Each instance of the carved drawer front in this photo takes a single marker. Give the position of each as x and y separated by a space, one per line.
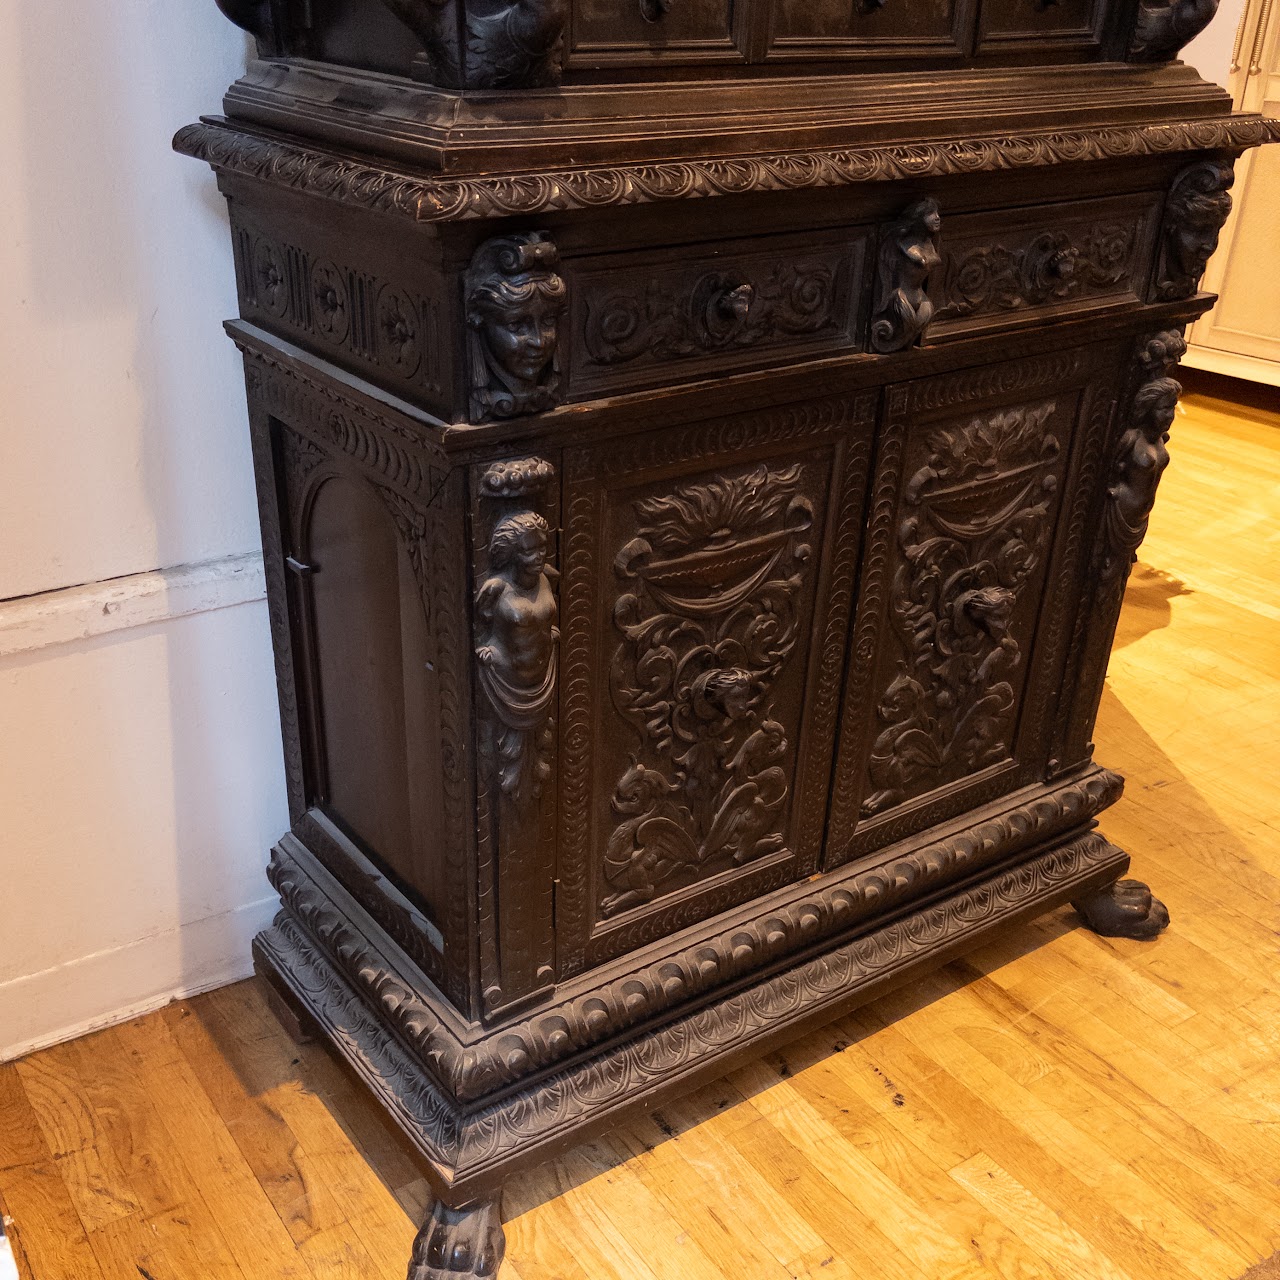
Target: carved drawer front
999 269
826 29
1040 23
645 32
972 561
649 318
705 601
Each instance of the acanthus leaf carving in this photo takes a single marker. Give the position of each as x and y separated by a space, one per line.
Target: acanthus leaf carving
1198 206
1165 26
515 300
709 619
976 525
909 253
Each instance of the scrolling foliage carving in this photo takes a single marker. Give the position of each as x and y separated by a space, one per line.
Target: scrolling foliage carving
709 620
1198 206
1165 26
515 44
908 255
1054 267
723 311
515 298
976 524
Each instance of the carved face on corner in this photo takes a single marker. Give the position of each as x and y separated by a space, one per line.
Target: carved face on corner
515 298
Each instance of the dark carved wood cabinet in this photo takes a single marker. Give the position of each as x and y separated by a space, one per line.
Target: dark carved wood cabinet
701 446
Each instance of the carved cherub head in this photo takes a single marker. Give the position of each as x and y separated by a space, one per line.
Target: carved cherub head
518 548
515 297
723 691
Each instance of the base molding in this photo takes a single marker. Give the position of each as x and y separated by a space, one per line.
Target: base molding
471 1149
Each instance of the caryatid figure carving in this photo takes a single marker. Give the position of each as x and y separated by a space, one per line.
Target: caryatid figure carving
516 615
515 298
908 256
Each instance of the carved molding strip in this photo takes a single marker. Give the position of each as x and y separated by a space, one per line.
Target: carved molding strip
512 1053
449 199
393 453
508 1129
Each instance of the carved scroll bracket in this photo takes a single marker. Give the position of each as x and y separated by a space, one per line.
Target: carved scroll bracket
513 44
1166 26
909 253
515 300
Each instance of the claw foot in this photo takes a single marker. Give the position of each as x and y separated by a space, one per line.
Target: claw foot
459 1244
1125 909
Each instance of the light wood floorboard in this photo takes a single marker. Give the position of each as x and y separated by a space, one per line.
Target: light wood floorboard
1054 1107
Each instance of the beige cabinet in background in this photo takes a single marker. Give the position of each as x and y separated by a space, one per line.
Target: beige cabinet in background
1241 335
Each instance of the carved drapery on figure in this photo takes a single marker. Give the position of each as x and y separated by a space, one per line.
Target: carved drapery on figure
977 521
908 255
517 669
1140 460
516 633
1198 206
514 44
515 299
1165 26
709 620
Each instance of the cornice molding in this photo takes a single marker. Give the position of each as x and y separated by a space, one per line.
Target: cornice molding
424 199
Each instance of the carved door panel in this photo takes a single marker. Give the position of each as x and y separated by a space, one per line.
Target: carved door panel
831 29
1040 24
971 570
606 33
707 584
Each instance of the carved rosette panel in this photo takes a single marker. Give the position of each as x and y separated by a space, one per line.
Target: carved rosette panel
517 663
1198 206
1165 27
337 306
735 309
974 525
1046 268
708 619
910 251
515 299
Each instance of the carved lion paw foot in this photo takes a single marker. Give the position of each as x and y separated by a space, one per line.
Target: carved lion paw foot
1125 909
455 1244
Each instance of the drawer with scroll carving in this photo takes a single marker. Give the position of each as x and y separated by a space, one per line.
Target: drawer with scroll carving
648 318
999 269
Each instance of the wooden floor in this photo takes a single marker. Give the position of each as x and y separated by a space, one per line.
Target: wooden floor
1055 1106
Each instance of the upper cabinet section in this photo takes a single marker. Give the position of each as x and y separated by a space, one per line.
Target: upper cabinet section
519 44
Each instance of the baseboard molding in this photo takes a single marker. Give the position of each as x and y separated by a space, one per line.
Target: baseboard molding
109 987
98 608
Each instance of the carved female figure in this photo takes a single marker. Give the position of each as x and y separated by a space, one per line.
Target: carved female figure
515 298
1140 462
907 258
1198 206
516 615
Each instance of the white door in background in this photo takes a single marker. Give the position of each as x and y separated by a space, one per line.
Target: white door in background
1241 335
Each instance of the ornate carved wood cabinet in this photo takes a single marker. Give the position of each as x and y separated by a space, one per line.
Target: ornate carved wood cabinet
701 446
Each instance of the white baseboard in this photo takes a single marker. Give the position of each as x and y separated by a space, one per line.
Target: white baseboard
101 990
78 613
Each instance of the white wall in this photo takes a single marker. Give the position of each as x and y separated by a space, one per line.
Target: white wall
140 776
